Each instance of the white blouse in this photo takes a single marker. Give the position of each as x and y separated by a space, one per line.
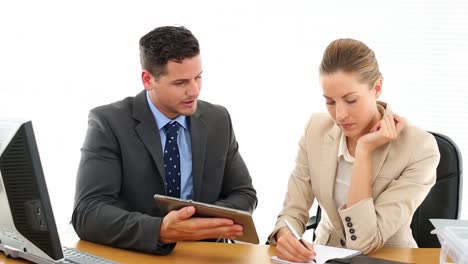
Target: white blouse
344 172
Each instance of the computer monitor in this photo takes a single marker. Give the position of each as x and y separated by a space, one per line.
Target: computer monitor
27 225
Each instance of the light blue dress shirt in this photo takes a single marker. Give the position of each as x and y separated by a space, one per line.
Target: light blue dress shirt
185 147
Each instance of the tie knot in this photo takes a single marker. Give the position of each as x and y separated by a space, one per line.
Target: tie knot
172 129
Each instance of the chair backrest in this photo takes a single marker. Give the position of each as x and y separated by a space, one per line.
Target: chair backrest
444 199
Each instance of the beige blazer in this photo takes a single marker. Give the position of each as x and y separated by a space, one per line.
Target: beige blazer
403 172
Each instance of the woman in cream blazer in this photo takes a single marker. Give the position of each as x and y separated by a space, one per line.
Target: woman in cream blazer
368 168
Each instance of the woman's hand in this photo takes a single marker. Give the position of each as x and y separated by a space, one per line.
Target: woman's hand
290 249
386 130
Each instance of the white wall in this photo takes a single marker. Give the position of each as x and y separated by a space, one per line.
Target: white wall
58 59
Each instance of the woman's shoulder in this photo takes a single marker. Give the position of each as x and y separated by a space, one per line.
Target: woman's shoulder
320 124
413 136
320 120
416 139
413 133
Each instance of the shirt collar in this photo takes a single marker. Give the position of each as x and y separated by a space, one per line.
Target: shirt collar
343 150
161 119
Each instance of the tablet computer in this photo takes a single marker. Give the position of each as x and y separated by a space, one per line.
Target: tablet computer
167 204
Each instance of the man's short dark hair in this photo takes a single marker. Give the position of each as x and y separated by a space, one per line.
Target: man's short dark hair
164 44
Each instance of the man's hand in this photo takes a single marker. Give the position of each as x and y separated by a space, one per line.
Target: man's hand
181 226
290 249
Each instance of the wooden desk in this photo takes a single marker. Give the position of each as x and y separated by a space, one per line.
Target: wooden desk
205 253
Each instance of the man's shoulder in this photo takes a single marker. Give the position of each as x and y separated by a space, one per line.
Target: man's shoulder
207 109
207 106
119 109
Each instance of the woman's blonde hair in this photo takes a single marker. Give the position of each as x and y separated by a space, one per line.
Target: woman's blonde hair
351 56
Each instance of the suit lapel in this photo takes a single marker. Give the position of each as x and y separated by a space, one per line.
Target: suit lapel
148 131
198 135
380 154
328 165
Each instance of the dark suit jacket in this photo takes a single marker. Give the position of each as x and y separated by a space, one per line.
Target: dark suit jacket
122 168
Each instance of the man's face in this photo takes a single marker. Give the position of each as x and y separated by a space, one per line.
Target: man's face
176 92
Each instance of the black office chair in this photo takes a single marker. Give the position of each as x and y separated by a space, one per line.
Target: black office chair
443 201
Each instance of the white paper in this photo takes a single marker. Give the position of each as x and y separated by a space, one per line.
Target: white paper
324 253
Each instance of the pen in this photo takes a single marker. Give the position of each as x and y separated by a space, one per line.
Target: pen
295 233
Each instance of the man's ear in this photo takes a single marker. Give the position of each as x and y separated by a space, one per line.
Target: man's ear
378 88
147 80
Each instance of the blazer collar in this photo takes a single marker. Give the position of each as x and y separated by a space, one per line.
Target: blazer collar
148 132
328 165
327 174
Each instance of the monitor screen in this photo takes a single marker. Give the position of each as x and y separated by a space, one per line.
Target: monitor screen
27 225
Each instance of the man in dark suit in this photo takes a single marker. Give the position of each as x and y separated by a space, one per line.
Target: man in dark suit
162 141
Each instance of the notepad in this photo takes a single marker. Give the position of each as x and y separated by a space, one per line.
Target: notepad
325 253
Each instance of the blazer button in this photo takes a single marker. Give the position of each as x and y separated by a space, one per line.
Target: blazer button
353 237
343 243
349 224
347 219
351 231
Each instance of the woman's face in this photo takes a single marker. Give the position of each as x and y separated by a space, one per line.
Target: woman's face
351 104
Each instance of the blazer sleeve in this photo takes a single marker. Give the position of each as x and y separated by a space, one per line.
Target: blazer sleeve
299 195
237 190
97 216
375 220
